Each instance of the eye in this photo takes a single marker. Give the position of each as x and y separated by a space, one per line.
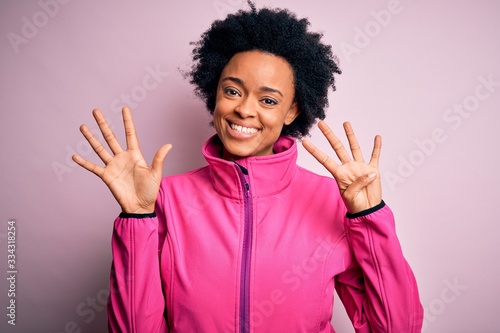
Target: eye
231 91
269 101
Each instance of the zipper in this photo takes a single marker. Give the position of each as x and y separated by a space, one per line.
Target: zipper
246 252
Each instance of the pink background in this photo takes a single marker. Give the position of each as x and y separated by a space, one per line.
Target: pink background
409 66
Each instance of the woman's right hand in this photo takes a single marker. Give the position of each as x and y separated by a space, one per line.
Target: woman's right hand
133 183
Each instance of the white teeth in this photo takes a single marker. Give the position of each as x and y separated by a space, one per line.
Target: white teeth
241 129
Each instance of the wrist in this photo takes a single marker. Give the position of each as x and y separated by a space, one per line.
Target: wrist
139 210
365 211
137 216
142 211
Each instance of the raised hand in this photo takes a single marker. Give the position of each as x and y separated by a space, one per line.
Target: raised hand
358 181
133 183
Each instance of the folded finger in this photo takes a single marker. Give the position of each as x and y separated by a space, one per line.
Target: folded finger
356 187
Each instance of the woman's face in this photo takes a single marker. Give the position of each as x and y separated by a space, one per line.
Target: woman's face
255 98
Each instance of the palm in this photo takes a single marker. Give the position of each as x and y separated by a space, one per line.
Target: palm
132 182
347 174
358 181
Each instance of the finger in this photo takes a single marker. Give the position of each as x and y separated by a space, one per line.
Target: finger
130 133
377 147
336 144
353 143
94 168
358 185
107 132
95 144
159 158
321 157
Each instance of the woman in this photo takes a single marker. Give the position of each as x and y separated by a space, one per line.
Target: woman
252 242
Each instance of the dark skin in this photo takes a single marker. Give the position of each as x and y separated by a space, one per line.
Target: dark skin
258 98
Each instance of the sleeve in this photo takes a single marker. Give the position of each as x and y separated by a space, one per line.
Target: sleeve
379 290
136 302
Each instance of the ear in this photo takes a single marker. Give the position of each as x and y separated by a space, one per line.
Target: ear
293 112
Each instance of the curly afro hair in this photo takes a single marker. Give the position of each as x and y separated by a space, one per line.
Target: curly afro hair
274 31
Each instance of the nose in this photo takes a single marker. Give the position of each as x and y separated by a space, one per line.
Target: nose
246 108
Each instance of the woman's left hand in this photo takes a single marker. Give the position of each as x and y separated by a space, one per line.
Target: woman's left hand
358 181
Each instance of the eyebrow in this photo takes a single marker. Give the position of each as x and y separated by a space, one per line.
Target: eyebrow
241 82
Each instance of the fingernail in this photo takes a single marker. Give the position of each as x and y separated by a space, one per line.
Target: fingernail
372 175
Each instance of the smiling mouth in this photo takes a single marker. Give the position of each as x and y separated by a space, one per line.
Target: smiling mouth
245 130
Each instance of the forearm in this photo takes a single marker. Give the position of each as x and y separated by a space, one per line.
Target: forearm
136 299
391 302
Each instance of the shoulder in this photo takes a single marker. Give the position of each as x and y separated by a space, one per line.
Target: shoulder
307 175
307 181
189 177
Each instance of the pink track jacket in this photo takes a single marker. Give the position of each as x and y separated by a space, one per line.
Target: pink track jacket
258 245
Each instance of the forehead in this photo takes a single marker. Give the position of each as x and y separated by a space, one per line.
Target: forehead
256 67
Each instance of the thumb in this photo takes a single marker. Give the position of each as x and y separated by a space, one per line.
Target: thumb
359 184
159 158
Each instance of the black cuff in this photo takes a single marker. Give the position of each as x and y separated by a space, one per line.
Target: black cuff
366 211
137 216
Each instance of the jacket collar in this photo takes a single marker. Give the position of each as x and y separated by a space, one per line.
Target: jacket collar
267 174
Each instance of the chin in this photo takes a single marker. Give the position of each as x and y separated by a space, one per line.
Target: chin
238 154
